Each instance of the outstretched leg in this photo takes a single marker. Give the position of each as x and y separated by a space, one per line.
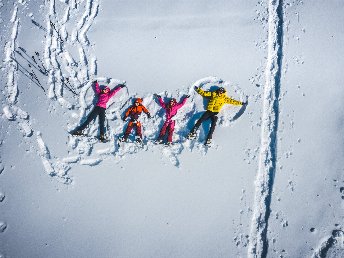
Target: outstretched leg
139 130
212 127
163 131
102 121
170 131
89 118
128 130
204 117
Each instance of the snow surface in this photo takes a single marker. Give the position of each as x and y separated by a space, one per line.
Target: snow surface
271 186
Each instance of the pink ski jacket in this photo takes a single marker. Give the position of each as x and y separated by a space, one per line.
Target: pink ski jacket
171 111
104 98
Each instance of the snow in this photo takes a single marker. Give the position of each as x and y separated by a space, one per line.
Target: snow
270 186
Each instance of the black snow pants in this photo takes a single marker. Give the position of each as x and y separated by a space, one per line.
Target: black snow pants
207 114
97 111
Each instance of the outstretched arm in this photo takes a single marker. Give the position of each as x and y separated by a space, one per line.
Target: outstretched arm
161 102
203 93
146 111
126 114
114 90
96 87
233 101
182 102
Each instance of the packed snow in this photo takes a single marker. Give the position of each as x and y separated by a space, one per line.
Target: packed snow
270 185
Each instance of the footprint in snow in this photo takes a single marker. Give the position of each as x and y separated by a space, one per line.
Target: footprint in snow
3 226
2 196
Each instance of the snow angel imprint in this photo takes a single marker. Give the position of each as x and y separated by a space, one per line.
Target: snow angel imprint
104 95
171 109
217 99
134 113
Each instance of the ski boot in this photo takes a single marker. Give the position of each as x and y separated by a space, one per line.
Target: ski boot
102 138
138 140
191 135
208 142
77 133
122 139
159 141
168 144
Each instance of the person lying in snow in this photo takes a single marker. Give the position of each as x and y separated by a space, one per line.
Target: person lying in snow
217 99
134 113
104 95
171 109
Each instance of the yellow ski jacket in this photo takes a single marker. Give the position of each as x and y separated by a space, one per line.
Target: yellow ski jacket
217 100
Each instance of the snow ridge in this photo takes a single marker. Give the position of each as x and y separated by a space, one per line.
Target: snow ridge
258 246
336 238
12 86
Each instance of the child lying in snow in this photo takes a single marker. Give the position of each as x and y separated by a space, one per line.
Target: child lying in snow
134 113
104 95
217 99
171 109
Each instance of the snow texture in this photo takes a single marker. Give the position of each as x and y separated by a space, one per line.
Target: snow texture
271 184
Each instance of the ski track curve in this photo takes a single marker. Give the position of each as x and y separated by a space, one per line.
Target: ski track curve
258 245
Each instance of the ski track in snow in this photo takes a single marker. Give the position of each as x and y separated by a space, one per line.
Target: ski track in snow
258 245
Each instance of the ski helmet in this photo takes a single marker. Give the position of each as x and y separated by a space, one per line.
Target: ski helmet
106 89
221 90
173 100
138 100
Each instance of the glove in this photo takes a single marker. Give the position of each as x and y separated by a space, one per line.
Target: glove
245 103
187 96
149 115
157 96
95 81
196 88
121 85
124 118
